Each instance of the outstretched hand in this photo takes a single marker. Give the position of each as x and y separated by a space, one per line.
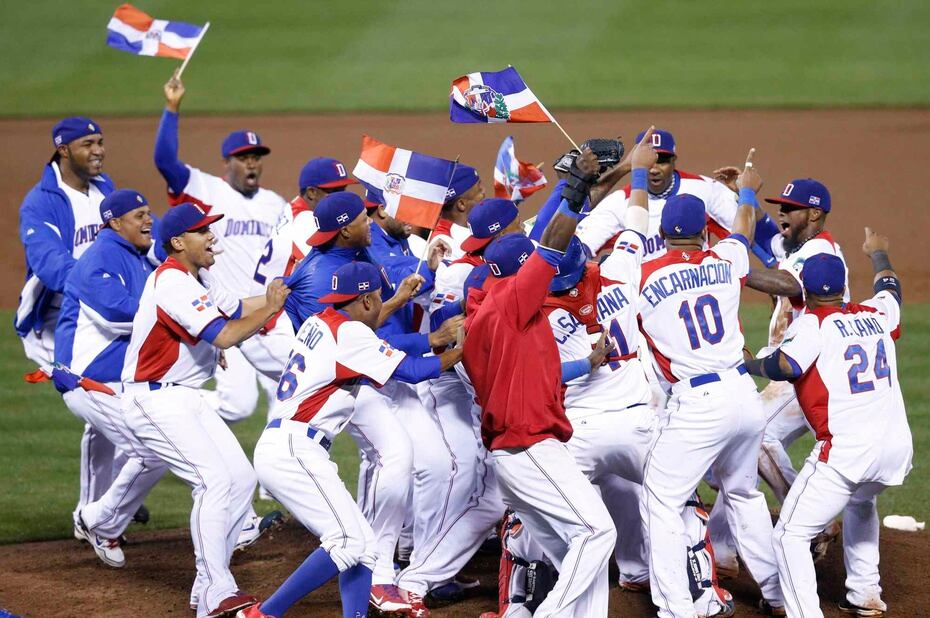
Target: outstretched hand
749 178
174 92
644 154
602 349
727 175
874 242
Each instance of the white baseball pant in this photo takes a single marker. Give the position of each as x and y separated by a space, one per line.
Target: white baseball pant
566 517
384 485
300 474
178 425
110 514
715 426
470 503
819 494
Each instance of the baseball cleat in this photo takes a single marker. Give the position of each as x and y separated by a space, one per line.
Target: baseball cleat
848 608
141 516
231 605
771 610
255 527
455 590
418 608
386 599
253 611
79 533
108 550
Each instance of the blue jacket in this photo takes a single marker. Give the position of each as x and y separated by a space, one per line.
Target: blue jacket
394 254
46 229
101 298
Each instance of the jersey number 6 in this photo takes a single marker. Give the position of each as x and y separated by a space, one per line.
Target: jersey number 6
287 385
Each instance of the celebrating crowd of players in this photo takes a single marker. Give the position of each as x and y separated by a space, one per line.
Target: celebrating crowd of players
569 386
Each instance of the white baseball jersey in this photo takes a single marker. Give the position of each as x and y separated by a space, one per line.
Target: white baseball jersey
86 209
175 308
286 247
322 377
789 309
689 309
453 234
604 300
849 390
449 282
598 230
242 234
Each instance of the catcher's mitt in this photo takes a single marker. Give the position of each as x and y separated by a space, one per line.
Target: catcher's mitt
608 153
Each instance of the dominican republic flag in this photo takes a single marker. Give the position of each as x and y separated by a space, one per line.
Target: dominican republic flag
514 179
495 97
411 185
139 33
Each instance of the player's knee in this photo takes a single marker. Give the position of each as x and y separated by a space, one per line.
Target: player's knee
351 550
396 455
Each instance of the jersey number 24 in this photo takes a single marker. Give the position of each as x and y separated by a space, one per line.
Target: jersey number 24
857 353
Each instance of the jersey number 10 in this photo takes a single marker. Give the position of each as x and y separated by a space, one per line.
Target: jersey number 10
711 333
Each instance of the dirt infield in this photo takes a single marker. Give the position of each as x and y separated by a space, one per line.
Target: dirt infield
63 578
873 161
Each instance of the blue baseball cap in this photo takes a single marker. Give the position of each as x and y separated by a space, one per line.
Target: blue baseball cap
824 274
351 281
571 266
241 142
804 192
486 220
683 215
183 218
464 178
119 203
476 278
507 254
334 212
662 141
325 173
70 129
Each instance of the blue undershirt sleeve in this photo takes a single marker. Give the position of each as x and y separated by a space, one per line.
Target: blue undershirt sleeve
211 330
172 169
415 344
413 369
575 369
448 310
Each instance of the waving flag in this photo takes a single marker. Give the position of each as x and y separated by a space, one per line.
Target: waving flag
514 179
139 33
495 97
412 186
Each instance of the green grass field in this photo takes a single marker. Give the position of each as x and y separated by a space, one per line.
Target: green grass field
39 442
297 56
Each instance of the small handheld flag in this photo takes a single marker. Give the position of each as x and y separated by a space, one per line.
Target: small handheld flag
136 32
514 179
500 96
413 186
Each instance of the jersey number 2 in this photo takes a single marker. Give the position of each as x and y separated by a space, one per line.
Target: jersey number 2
882 370
264 259
701 305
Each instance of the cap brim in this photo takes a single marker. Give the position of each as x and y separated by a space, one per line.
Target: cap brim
473 243
781 200
319 238
342 182
332 299
262 150
207 220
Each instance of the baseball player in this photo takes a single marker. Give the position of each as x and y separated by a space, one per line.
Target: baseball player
689 303
58 220
470 503
251 215
841 359
512 359
609 405
464 192
803 208
184 319
334 350
101 297
343 236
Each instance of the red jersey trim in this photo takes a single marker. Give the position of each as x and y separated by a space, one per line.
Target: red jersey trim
161 348
469 258
814 398
180 198
665 365
299 205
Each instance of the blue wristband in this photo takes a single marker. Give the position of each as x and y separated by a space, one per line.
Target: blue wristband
640 179
565 210
748 196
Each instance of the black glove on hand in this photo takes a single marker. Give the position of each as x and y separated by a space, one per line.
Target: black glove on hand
608 152
577 187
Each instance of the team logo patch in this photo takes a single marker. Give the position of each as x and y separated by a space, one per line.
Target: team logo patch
685 256
586 310
91 127
523 257
394 183
814 200
788 189
574 293
363 285
58 140
202 303
440 299
343 218
139 198
494 227
826 287
386 349
627 246
108 214
486 101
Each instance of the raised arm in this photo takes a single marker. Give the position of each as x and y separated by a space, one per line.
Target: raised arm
642 159
876 247
749 182
775 282
562 227
175 173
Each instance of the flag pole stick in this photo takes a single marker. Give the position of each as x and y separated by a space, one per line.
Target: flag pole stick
206 27
567 136
423 255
